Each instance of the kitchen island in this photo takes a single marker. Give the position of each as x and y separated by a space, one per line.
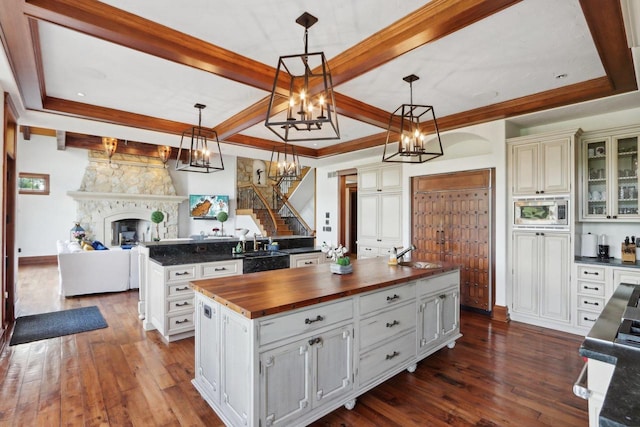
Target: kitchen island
286 347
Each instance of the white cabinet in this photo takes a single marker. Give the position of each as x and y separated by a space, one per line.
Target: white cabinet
438 312
598 377
609 174
169 300
298 377
379 210
541 167
306 260
592 293
380 178
295 367
540 276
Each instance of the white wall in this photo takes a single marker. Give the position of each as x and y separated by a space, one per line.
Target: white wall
303 198
41 220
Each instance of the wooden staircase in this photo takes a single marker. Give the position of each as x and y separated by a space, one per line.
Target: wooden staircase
263 220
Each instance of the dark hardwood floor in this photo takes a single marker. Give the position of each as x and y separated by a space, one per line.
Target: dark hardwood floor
497 375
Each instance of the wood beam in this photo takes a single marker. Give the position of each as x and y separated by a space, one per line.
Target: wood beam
26 132
61 139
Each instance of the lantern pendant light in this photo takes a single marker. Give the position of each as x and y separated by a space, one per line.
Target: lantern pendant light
194 154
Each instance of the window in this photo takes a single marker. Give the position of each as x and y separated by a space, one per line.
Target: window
33 183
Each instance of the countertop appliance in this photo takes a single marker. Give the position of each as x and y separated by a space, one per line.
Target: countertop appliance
589 245
541 213
612 349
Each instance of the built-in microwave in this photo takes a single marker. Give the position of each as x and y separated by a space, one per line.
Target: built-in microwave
537 212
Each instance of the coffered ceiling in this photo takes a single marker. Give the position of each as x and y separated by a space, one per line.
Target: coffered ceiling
145 63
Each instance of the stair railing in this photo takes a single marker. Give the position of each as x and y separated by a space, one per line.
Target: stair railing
250 197
291 216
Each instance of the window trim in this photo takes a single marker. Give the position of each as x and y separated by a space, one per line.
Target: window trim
43 176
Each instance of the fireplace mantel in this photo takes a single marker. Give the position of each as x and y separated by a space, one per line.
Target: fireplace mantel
90 195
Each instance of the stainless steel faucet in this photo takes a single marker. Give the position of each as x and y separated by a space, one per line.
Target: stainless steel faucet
255 242
401 254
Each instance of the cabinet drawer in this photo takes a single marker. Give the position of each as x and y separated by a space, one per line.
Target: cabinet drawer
183 272
438 283
179 322
382 326
387 297
180 304
590 303
367 251
296 261
298 323
590 288
591 273
385 358
180 289
587 318
220 269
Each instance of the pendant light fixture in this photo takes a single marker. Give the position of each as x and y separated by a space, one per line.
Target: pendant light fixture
309 112
110 145
412 123
196 143
164 151
285 164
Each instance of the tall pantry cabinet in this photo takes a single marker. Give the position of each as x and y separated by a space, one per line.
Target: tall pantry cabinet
540 256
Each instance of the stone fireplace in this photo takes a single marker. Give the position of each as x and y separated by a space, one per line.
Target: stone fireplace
126 190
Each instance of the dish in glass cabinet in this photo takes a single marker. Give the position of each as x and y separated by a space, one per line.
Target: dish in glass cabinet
600 151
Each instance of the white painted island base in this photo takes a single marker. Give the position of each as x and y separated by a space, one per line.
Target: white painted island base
294 367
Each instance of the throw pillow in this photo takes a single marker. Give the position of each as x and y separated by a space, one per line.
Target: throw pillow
98 246
87 247
74 247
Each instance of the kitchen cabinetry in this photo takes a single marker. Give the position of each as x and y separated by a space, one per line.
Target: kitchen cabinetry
452 221
306 260
540 276
609 174
541 167
438 312
170 304
598 377
379 210
294 367
592 292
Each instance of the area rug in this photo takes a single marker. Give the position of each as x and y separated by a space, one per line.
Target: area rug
50 325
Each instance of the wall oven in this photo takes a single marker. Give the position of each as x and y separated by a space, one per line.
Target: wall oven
541 213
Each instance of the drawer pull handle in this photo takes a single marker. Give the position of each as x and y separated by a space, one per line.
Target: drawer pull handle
588 320
442 297
313 341
178 322
220 269
392 355
182 304
182 289
392 324
591 303
310 321
595 288
184 273
308 262
393 298
595 273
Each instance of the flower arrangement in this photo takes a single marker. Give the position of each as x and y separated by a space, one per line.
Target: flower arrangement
78 232
342 263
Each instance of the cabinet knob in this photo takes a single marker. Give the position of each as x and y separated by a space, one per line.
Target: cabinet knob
313 341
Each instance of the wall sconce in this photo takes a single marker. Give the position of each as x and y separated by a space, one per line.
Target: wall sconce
164 151
110 144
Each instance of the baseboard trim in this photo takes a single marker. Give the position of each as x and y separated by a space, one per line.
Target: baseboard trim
38 260
500 313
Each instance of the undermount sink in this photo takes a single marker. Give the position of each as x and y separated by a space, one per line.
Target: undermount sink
421 264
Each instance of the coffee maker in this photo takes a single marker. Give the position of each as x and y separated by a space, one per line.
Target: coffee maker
603 248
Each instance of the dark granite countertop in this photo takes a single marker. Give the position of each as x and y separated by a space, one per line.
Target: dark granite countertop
621 406
612 262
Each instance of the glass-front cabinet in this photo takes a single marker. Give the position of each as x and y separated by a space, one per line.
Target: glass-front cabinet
610 178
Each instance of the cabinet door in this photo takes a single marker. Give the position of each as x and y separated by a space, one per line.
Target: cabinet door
525 169
429 325
554 276
555 172
236 379
625 177
595 178
391 178
525 272
368 180
426 225
390 217
207 350
450 312
285 383
332 363
368 217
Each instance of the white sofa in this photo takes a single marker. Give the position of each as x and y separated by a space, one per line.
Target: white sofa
90 272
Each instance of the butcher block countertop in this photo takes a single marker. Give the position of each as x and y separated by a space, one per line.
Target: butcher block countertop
269 292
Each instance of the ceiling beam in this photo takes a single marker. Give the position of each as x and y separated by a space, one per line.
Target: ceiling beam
61 140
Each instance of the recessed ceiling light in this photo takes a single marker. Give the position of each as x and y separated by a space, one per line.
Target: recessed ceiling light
561 76
81 94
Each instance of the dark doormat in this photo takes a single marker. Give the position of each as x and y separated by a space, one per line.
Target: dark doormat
50 325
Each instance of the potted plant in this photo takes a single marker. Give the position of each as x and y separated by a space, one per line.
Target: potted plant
222 217
341 263
157 217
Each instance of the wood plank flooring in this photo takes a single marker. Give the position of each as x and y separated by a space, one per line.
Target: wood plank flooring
497 375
